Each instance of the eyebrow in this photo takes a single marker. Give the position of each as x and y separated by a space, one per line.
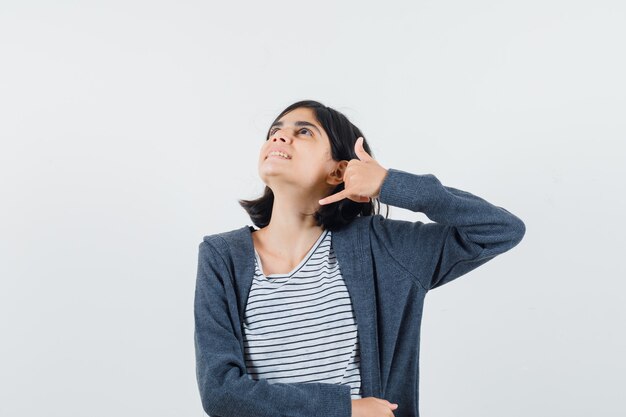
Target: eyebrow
298 123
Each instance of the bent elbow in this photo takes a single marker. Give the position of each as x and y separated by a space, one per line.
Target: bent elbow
212 403
517 230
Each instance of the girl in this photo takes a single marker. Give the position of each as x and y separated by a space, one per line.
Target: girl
318 312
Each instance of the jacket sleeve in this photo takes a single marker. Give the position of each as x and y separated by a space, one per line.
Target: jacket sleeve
226 390
467 230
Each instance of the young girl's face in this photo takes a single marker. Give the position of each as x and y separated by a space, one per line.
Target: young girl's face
307 146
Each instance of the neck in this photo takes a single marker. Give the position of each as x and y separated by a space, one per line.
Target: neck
292 227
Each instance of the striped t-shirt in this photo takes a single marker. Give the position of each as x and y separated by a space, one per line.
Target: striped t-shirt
300 326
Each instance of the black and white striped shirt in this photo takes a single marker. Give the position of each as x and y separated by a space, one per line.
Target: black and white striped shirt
300 326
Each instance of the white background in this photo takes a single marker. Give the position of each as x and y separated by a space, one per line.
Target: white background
129 129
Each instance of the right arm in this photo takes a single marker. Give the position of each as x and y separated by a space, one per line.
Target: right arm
225 388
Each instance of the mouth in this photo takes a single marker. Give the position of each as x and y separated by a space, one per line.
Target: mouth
278 155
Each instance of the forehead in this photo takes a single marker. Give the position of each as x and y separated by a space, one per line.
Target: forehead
300 112
303 114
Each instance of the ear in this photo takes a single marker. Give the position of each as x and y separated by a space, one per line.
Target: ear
335 177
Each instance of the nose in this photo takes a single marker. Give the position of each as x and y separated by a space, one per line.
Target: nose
280 136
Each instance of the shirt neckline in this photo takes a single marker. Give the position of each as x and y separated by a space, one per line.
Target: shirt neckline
300 264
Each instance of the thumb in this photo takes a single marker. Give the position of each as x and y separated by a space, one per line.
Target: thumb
360 151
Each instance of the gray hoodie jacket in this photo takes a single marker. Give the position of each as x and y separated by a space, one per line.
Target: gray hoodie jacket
388 266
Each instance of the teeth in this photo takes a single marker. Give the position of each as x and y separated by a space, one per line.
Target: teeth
284 155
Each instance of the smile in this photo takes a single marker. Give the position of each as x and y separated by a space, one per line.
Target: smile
278 154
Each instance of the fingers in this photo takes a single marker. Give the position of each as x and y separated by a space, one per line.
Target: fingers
341 195
335 197
388 403
360 151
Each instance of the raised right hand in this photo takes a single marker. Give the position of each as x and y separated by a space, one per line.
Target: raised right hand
372 407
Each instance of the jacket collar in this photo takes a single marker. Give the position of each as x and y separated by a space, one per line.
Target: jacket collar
352 249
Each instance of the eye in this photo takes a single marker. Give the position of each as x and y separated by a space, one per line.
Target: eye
273 130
